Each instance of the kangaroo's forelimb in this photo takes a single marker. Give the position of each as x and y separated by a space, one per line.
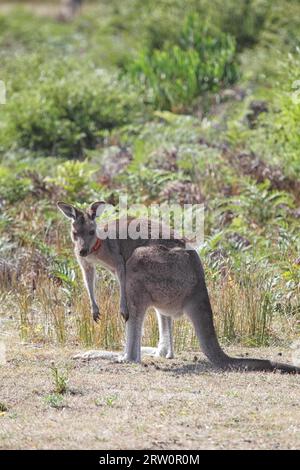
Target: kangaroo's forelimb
89 275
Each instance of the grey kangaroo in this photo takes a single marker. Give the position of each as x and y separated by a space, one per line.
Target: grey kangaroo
154 272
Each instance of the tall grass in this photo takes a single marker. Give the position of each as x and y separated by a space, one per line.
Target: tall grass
244 312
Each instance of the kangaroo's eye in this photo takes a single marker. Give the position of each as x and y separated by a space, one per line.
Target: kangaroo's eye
92 232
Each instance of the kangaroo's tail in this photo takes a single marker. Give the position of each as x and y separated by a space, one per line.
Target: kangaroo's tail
200 312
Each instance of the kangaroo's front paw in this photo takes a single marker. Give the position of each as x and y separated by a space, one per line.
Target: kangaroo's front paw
125 314
96 314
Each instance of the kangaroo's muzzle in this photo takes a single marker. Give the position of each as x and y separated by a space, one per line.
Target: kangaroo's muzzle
83 252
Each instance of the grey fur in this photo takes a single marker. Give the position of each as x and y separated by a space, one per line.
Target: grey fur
164 275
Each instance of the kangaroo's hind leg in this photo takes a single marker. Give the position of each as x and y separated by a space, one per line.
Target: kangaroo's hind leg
138 302
165 345
134 327
121 274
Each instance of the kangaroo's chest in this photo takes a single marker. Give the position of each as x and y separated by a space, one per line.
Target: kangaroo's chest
104 257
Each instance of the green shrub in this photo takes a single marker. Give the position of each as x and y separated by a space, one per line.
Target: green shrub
154 26
76 178
244 19
281 26
277 136
24 30
170 75
179 73
54 400
88 37
216 52
60 380
13 187
66 108
258 205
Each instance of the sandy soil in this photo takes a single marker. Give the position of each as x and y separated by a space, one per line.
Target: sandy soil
183 403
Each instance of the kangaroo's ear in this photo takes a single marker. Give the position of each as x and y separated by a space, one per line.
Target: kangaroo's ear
96 209
68 210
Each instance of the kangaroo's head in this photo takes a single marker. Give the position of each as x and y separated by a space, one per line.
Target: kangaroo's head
83 225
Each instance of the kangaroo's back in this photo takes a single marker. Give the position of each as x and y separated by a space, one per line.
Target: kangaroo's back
172 280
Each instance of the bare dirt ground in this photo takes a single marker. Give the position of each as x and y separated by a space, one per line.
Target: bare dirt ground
41 9
183 403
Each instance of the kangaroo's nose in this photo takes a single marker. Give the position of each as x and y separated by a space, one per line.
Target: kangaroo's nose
83 252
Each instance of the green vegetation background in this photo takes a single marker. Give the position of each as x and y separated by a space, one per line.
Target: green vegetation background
182 101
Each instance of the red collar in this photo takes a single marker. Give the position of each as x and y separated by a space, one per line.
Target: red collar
97 245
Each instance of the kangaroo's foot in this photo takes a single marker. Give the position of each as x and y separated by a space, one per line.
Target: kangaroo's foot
161 351
126 358
164 351
149 351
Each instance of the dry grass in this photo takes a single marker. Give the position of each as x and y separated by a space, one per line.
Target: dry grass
53 401
245 312
59 313
162 404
